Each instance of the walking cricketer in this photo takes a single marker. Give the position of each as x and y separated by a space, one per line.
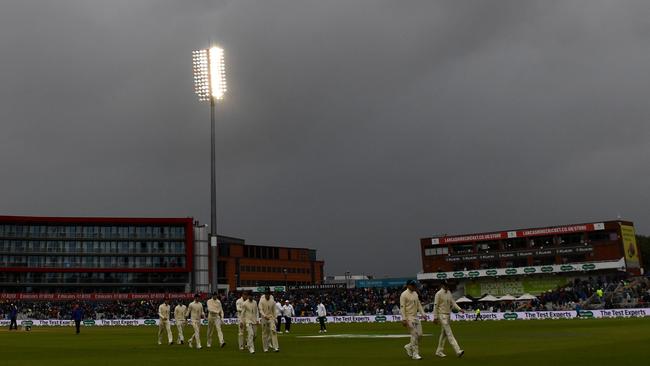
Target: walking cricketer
443 305
268 317
195 310
241 326
215 318
164 311
411 311
250 316
181 320
278 312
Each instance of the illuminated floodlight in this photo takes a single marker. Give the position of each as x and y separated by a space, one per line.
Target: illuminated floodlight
209 73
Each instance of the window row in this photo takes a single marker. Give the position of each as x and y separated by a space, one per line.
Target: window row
521 262
259 252
524 243
274 269
436 251
99 277
40 261
95 231
99 247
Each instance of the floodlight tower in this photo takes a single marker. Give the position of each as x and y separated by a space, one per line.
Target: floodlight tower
210 85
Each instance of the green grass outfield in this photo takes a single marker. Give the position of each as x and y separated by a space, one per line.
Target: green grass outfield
534 342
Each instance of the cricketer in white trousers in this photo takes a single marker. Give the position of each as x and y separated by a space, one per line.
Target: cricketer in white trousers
415 329
215 316
195 311
214 322
410 308
268 317
165 324
240 323
443 305
196 324
250 316
269 334
163 313
446 335
180 324
179 316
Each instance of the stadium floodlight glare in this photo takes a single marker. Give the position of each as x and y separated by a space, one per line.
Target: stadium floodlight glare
209 73
210 85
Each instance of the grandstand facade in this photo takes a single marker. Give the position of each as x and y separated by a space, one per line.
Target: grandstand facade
137 255
598 248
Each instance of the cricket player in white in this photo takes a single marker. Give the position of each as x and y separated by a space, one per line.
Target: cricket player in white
164 311
411 311
278 312
268 317
250 316
443 305
195 311
288 313
240 322
321 311
215 318
179 316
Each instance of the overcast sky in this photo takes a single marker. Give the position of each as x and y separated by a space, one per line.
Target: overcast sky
352 127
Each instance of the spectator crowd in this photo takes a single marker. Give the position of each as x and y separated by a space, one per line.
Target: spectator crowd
362 301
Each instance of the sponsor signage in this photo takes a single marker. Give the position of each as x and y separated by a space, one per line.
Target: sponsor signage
554 230
544 252
328 286
94 297
630 246
273 289
385 282
542 315
556 268
514 286
529 315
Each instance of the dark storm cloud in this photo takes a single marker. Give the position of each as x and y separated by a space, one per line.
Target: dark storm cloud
354 127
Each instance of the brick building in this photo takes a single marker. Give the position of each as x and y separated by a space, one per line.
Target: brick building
592 248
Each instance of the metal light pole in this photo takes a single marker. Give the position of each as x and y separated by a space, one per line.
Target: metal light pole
210 85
